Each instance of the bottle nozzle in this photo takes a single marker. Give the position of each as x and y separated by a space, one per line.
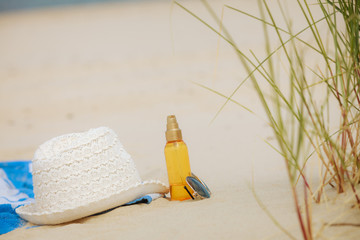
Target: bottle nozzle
173 131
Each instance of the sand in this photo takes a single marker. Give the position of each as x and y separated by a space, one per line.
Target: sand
127 66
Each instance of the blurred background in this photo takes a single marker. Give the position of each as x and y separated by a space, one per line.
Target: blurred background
6 5
127 65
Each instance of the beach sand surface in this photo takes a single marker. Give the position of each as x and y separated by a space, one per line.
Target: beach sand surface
127 66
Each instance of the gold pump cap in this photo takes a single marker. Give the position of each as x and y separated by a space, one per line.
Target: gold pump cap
173 132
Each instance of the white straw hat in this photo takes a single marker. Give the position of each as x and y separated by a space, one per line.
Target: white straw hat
80 174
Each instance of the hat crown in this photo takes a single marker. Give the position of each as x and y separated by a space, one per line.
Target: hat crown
75 169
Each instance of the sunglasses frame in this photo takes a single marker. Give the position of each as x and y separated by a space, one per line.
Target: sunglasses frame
196 195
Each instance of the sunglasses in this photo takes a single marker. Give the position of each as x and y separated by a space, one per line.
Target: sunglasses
200 189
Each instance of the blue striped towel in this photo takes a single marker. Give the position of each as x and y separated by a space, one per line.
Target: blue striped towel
16 189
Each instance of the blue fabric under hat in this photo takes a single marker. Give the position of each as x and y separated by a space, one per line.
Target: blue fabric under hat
16 189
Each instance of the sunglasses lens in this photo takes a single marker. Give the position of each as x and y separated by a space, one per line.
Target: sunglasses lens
207 188
198 187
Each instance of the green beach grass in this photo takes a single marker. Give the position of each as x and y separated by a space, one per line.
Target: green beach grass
302 120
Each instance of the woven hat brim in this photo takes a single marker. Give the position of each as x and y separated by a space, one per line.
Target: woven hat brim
28 212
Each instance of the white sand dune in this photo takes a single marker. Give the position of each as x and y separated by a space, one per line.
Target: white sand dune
128 66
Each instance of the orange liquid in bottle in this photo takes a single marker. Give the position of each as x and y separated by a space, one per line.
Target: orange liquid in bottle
178 167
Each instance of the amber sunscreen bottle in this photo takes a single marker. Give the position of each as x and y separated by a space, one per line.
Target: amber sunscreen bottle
177 161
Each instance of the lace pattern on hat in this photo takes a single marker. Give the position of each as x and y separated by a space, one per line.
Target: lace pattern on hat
72 170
